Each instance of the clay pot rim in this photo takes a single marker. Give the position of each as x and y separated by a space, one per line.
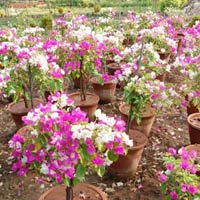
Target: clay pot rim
83 102
189 120
101 193
113 65
110 82
133 148
144 117
10 105
193 146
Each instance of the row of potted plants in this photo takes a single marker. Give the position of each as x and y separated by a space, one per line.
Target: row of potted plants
73 50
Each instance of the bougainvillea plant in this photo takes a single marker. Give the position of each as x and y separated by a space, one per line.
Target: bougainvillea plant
61 144
179 179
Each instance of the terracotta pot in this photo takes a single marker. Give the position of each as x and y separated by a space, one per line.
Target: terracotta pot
109 61
194 128
127 42
191 109
195 147
18 110
164 56
77 82
89 105
106 92
161 77
127 165
179 39
80 192
112 67
148 118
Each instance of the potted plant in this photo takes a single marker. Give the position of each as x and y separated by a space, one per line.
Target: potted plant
61 144
188 64
81 63
179 179
143 93
24 62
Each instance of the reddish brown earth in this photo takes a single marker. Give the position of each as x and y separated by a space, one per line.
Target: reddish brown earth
169 130
26 4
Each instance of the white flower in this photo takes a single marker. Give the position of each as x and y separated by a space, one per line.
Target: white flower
40 61
44 169
24 160
34 132
168 68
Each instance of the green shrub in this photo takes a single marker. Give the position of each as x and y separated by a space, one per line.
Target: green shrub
91 4
171 3
194 19
60 10
97 8
32 22
85 3
1 14
47 22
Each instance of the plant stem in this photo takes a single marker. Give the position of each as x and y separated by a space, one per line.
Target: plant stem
82 82
129 119
24 96
30 85
69 191
131 105
140 58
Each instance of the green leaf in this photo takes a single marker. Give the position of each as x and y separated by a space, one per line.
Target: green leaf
84 155
101 171
80 172
163 187
168 197
66 182
112 156
76 181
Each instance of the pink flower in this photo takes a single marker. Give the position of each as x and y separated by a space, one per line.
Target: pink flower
163 178
184 187
98 161
174 195
184 103
184 164
169 166
119 150
192 189
192 169
172 151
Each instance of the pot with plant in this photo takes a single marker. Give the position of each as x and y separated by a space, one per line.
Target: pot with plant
83 62
22 76
188 64
143 93
64 146
179 179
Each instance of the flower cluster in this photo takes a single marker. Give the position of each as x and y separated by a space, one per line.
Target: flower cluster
62 144
179 180
141 91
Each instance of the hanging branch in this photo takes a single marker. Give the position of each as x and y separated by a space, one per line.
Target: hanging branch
131 106
30 84
69 191
82 83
